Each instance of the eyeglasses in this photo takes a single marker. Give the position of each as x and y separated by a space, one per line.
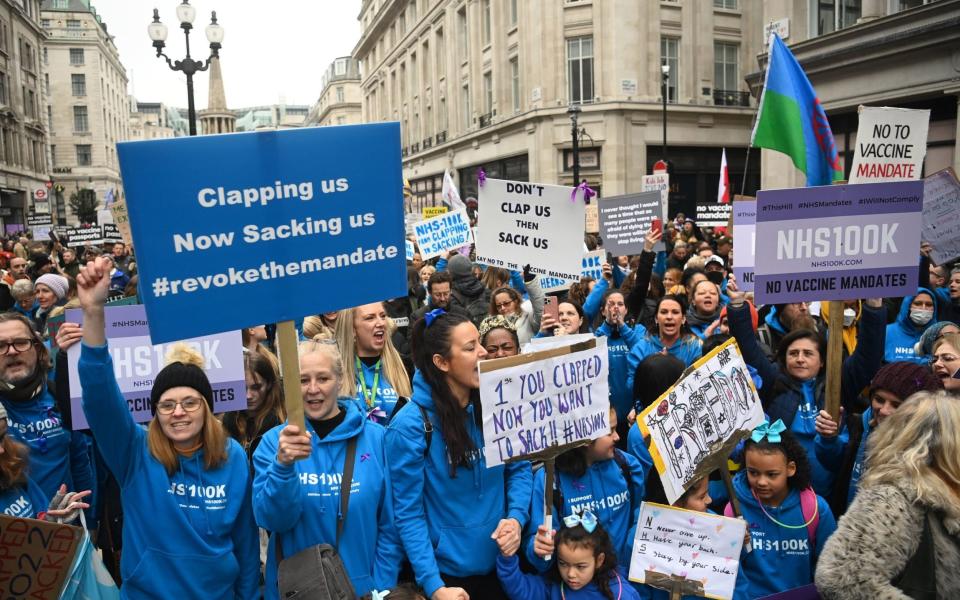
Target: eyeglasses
166 407
943 358
500 305
19 344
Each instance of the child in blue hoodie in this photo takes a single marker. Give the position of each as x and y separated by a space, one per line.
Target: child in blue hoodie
586 567
787 522
296 489
188 529
598 477
450 509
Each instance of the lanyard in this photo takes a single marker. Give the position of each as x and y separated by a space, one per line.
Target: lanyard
370 396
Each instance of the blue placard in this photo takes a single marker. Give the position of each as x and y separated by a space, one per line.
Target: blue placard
241 229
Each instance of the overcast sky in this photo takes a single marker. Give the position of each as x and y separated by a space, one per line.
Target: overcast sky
271 50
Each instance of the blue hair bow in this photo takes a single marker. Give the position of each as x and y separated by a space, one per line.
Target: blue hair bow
375 595
770 431
431 316
586 519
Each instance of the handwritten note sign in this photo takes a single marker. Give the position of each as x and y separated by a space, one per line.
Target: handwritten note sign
659 182
698 547
695 424
35 557
444 232
941 215
534 403
592 215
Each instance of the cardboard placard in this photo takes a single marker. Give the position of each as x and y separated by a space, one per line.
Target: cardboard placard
891 144
433 211
35 557
535 404
696 546
531 224
122 220
838 242
695 424
658 182
592 216
744 242
625 221
448 231
136 361
291 214
941 215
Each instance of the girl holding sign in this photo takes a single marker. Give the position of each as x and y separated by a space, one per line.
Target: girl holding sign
372 370
452 511
188 529
297 487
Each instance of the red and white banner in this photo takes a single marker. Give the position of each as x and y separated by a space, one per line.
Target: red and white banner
723 192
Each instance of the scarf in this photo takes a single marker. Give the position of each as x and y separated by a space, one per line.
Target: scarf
695 320
26 389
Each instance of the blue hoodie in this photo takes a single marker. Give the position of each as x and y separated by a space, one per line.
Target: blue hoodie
57 455
782 558
186 535
385 396
687 348
903 334
619 344
301 501
25 501
520 586
445 523
603 490
830 451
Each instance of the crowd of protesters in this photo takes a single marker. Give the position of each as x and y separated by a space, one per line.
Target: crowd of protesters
389 467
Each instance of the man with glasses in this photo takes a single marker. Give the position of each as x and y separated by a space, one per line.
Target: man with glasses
57 455
438 296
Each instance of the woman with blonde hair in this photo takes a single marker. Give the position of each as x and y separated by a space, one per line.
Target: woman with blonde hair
373 370
945 361
901 536
188 528
296 489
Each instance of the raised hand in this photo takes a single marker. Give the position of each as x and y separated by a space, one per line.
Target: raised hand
93 283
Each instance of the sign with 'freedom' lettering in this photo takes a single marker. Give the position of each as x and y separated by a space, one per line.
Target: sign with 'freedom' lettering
301 221
136 362
838 242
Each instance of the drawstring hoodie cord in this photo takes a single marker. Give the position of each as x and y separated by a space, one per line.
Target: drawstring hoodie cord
203 503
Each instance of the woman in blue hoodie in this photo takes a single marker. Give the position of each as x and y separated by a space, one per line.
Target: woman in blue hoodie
450 509
188 528
296 489
672 336
916 314
787 522
793 388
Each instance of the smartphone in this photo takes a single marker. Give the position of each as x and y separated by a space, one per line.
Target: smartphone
657 226
551 306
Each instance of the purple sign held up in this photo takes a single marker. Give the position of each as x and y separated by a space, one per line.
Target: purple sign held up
744 242
840 242
136 362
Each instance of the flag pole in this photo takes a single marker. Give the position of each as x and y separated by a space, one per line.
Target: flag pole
756 117
746 165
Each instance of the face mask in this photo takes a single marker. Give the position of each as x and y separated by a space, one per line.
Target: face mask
848 316
715 277
921 317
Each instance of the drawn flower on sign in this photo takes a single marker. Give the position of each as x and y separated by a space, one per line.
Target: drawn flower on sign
663 409
678 443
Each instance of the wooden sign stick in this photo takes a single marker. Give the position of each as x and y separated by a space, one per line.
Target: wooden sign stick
834 358
548 469
290 373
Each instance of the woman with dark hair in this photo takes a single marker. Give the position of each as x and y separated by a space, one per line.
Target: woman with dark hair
508 302
651 378
672 336
571 320
450 509
264 403
793 387
498 336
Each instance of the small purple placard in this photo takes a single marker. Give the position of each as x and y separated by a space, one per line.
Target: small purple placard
136 361
744 242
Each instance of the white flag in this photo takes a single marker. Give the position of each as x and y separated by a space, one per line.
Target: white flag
449 193
723 190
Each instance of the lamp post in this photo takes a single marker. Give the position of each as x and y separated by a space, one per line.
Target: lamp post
665 77
158 33
574 112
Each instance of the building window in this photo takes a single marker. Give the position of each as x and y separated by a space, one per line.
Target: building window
413 12
340 66
465 104
580 69
53 155
728 4
485 12
84 155
61 4
45 23
670 56
402 23
50 119
513 12
462 33
76 56
341 120
441 54
4 94
3 36
832 15
340 94
73 24
78 83
488 93
80 121
515 83
726 66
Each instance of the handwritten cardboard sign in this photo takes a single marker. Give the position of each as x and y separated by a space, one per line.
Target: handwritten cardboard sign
695 546
659 182
941 215
536 403
444 232
695 424
35 557
592 216
122 220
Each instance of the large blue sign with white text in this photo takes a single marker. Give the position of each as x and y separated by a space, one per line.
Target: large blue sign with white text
241 229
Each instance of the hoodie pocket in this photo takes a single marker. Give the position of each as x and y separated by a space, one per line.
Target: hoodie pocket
163 575
467 550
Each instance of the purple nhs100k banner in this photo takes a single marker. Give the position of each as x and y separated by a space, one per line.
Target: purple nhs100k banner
136 361
839 242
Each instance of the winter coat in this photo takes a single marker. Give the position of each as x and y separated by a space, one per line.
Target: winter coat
528 322
471 297
881 532
903 334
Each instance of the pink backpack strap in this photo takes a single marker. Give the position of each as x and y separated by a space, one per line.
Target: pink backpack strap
810 508
728 510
